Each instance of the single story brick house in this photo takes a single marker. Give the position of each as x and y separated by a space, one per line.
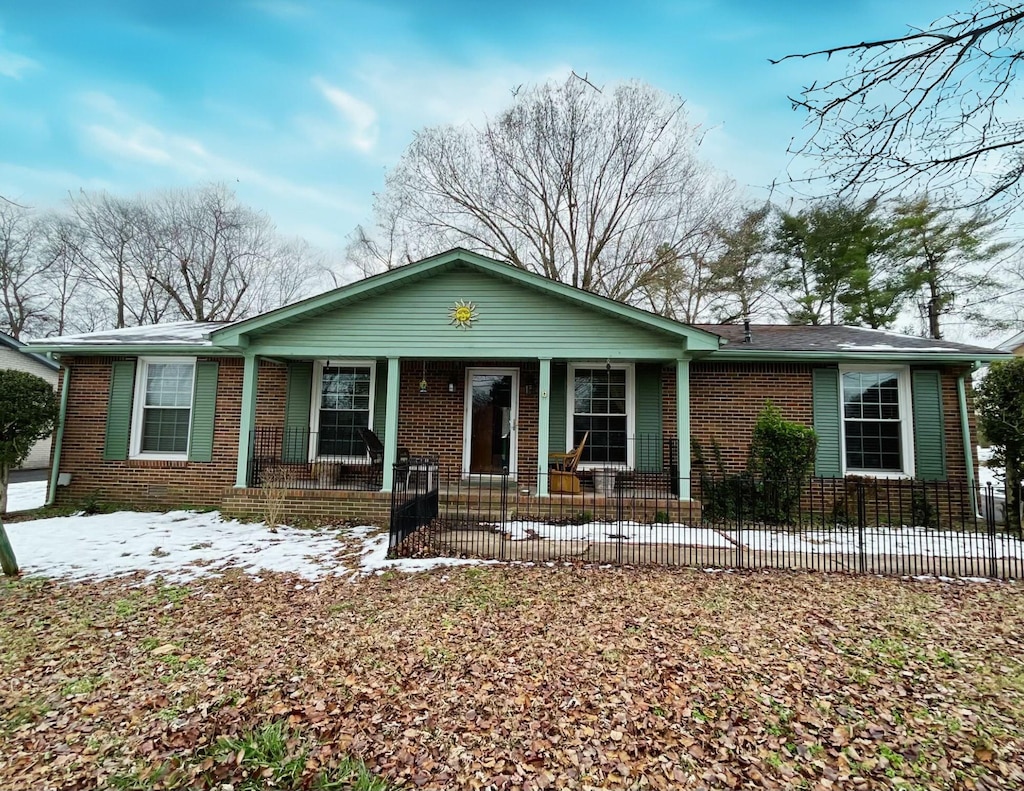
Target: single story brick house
487 368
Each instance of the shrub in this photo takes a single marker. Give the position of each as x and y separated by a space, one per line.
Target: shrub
781 460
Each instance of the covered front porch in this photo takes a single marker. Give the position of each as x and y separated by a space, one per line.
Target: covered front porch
355 424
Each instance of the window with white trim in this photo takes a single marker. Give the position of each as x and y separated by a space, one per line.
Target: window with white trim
877 430
602 405
162 417
343 404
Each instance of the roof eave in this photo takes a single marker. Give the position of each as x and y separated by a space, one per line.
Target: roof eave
110 350
905 356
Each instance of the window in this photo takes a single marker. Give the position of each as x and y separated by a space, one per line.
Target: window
343 404
876 421
162 419
602 405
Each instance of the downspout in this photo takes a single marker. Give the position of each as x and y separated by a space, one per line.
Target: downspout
51 492
965 432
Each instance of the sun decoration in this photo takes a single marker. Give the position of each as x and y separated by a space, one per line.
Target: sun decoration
462 314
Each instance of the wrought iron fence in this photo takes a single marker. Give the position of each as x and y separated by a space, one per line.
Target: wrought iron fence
885 526
283 457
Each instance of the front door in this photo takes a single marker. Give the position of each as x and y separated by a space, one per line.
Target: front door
492 413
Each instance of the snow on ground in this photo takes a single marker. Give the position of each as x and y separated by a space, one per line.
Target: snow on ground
26 496
183 545
614 531
902 541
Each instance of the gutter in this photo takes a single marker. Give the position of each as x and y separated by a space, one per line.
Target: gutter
904 357
137 349
51 492
965 432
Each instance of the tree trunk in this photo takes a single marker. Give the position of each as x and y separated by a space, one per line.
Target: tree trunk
1013 499
8 562
5 477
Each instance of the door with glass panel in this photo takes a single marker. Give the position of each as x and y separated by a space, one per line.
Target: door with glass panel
342 407
492 411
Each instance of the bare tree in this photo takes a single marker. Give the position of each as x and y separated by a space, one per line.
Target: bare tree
116 252
209 250
25 301
580 185
934 108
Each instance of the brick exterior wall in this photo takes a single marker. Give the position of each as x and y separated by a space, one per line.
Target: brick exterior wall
725 400
433 423
145 483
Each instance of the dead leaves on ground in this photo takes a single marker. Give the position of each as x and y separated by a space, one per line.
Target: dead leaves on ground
517 677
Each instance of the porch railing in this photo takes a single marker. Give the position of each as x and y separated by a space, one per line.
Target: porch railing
281 457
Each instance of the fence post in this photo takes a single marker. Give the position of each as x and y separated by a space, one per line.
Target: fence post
739 521
861 524
990 527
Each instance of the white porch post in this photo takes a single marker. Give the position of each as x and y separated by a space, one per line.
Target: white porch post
543 424
247 418
391 425
683 425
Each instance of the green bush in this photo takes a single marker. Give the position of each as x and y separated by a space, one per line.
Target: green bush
781 460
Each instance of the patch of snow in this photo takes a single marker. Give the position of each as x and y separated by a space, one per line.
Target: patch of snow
175 332
601 532
178 545
26 496
886 347
374 559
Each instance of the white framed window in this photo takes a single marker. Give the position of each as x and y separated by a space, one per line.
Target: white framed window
877 423
601 401
343 393
162 413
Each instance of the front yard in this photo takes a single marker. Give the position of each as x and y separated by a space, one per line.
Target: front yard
511 677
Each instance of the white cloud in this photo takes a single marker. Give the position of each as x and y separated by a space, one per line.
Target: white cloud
14 65
121 137
360 116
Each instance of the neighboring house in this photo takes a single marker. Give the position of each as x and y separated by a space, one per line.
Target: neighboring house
486 367
1014 345
13 357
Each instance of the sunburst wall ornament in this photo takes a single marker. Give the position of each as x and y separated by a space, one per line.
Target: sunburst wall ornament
462 314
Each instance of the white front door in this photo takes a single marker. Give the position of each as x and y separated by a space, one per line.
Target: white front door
491 419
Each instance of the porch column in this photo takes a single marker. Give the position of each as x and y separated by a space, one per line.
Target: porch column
683 425
247 418
391 425
543 424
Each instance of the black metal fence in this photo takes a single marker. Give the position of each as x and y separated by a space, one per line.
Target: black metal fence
878 526
282 457
414 497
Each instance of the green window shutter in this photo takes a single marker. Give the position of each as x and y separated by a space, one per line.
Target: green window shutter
648 418
204 406
380 398
119 410
827 423
929 426
296 412
556 410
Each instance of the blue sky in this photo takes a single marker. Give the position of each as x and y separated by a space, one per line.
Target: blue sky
302 106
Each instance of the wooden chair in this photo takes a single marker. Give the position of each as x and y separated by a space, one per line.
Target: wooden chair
375 450
562 469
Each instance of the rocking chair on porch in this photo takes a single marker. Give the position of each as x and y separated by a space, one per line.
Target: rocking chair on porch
375 450
564 479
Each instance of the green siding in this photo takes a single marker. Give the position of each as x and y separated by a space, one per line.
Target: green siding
380 399
827 463
119 410
648 418
513 320
557 442
204 404
929 426
296 411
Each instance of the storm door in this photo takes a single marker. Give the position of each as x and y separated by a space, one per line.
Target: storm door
492 412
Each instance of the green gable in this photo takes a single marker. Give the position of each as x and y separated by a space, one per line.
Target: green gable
518 314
